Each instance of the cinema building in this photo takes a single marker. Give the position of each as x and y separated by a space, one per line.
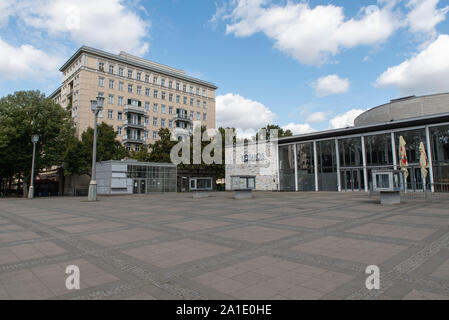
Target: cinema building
343 160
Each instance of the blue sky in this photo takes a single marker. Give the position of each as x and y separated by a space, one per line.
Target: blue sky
305 65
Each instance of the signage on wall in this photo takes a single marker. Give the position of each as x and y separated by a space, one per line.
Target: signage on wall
253 157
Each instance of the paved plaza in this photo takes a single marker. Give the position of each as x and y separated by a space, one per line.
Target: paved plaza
275 246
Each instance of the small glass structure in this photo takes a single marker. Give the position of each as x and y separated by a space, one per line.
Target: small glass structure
243 182
387 180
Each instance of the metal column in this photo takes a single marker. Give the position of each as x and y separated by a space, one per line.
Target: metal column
296 167
337 154
429 159
365 169
393 149
315 161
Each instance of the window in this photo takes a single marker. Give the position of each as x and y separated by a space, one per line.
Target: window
101 82
155 94
162 108
170 110
120 86
120 72
147 106
184 88
191 115
198 116
130 88
100 114
147 92
170 123
191 102
111 84
119 131
145 134
120 101
204 116
170 97
130 74
198 91
170 84
155 107
154 121
191 89
147 120
198 103
110 114
147 78
101 66
204 105
139 90
154 135
200 183
163 95
111 99
111 69
155 80
184 100
163 123
204 92
139 75
178 99
163 82
177 86
119 116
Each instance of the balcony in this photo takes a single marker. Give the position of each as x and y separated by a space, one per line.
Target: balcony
181 131
134 109
180 117
129 124
135 140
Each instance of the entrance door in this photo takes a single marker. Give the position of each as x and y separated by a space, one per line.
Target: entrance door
184 184
143 186
135 186
352 180
414 180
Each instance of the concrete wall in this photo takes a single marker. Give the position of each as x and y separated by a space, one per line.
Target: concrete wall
404 109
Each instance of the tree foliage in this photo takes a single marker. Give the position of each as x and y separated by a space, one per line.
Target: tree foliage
78 153
22 115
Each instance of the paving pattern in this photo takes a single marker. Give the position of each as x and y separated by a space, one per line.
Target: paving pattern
275 246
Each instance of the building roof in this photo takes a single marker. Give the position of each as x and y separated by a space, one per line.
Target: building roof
137 62
55 93
410 122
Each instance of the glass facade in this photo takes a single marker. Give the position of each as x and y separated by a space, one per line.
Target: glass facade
306 166
351 164
147 179
287 168
439 141
378 150
327 165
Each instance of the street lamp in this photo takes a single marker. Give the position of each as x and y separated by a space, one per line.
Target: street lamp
34 140
96 106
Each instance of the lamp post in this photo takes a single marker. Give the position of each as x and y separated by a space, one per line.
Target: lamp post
96 106
34 140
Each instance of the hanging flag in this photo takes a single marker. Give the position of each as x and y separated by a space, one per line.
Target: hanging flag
403 162
423 162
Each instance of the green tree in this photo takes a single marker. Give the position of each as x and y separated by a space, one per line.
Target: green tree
281 132
78 154
160 150
143 155
22 115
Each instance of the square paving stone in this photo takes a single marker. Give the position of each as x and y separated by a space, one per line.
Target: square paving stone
392 231
437 221
172 253
113 238
362 251
307 222
256 234
198 224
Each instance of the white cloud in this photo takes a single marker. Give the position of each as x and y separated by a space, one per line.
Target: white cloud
299 128
26 62
331 84
317 117
104 24
426 72
345 120
311 35
247 116
424 15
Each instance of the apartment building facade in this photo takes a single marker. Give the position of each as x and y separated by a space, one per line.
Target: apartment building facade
141 96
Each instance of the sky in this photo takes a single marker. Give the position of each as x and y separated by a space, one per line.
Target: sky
304 65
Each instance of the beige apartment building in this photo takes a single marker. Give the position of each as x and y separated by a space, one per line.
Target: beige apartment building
141 96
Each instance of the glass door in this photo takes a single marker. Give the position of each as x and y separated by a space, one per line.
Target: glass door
143 186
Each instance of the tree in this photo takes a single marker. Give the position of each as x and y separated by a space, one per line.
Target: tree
78 154
160 150
281 132
22 115
142 155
